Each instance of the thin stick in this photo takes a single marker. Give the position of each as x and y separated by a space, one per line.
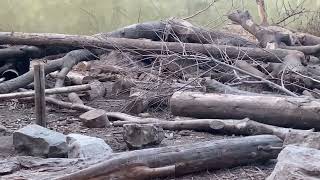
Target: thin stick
39 86
47 92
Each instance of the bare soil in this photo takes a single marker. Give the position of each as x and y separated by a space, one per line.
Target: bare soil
15 115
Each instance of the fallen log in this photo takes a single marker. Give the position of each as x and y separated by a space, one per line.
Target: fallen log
213 86
19 51
27 78
188 33
300 113
75 106
74 98
264 35
176 30
47 91
308 39
245 127
184 159
142 46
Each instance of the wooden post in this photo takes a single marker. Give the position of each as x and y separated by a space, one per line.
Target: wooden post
39 87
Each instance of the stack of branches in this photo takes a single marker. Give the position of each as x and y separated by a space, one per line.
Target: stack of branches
227 77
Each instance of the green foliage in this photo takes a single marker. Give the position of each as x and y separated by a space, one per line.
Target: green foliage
91 16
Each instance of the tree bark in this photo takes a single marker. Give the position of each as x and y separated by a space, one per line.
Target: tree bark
27 78
264 35
20 51
213 86
176 30
142 46
186 159
245 127
301 113
47 91
262 12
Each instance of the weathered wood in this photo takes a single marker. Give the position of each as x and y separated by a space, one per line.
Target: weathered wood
62 104
19 51
143 46
186 158
74 98
301 113
262 12
216 126
188 33
213 86
27 78
96 118
39 86
264 35
176 30
47 92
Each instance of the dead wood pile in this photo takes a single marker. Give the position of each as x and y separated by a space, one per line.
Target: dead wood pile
219 77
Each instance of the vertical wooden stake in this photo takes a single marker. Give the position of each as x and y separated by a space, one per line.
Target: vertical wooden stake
39 87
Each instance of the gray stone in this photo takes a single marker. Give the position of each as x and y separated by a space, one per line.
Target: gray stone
298 163
6 146
9 166
304 139
3 131
35 140
140 135
81 146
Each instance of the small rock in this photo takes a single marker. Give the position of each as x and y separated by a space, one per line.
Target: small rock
140 135
3 131
96 118
296 162
35 140
81 146
305 139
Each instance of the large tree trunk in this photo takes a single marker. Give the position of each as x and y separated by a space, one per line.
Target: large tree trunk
184 159
142 46
292 112
176 30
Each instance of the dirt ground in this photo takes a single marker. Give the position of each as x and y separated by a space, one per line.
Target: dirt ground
15 115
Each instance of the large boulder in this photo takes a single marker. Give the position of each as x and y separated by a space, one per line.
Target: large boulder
304 139
299 163
137 136
35 140
81 146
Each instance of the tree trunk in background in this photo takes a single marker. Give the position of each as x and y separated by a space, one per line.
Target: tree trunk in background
262 12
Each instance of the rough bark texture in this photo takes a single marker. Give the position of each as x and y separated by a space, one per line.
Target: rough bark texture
187 158
280 111
264 35
27 78
143 46
219 126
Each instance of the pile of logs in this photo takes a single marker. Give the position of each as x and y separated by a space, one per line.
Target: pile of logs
232 84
